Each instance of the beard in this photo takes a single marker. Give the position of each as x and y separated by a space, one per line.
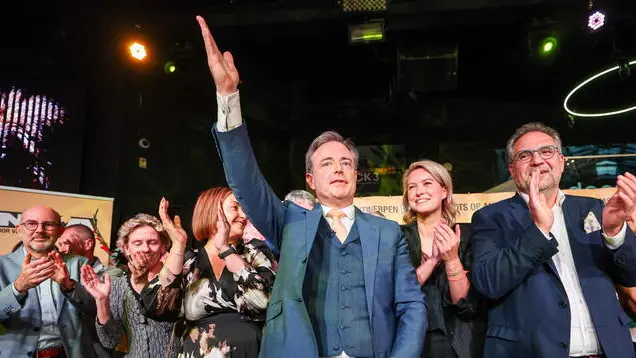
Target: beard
41 246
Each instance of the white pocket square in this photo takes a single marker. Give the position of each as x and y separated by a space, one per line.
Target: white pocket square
590 223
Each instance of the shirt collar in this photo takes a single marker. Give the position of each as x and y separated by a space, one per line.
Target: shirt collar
560 197
349 211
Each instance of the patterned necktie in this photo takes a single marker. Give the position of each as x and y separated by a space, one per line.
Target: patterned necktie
337 225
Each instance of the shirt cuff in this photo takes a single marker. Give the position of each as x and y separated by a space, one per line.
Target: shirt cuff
617 241
17 294
229 112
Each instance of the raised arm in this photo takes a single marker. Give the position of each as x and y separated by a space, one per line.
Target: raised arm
257 199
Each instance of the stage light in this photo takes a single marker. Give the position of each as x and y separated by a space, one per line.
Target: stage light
371 31
170 67
548 45
596 20
137 51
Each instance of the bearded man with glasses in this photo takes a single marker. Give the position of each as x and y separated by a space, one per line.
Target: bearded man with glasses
40 294
549 261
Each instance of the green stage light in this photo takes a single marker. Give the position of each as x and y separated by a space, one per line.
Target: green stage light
548 46
170 67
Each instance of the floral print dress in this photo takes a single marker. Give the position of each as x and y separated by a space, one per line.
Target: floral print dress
224 317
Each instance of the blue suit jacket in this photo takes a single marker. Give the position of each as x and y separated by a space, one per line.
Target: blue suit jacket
22 319
396 305
530 313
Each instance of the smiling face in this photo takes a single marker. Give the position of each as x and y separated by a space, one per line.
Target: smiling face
235 217
550 169
424 194
39 228
333 175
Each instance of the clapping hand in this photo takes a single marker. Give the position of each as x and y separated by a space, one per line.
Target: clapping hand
620 207
222 231
177 234
538 204
446 241
34 272
97 288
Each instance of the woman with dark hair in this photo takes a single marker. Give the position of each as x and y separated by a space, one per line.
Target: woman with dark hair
442 257
223 288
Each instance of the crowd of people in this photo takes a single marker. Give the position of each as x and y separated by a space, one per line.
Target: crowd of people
542 274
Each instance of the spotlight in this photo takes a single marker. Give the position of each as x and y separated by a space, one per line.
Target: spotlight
548 46
170 67
596 20
137 51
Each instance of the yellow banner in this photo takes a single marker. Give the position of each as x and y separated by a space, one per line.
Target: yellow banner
391 206
75 209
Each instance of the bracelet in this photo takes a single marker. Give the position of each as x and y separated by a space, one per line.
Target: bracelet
176 254
456 273
458 277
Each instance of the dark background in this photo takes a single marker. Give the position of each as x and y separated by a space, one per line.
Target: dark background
300 76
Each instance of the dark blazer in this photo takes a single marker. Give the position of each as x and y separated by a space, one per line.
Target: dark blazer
513 265
464 321
395 303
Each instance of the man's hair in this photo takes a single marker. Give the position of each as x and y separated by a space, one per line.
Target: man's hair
326 137
527 128
301 195
87 230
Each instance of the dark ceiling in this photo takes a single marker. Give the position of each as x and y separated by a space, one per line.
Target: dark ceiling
300 72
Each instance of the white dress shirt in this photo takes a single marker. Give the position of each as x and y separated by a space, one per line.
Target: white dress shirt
583 339
49 332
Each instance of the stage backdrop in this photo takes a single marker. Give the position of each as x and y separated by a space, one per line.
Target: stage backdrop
467 204
74 208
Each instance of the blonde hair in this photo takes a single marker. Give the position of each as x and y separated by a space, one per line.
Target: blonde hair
206 212
443 177
135 223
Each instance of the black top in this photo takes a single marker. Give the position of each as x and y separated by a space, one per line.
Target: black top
463 323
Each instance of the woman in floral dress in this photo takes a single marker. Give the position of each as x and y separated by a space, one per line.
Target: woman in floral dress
221 289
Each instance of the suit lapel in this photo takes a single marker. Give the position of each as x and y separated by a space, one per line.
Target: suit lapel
520 212
32 300
313 219
370 241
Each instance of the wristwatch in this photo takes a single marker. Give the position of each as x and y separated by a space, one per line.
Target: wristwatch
227 252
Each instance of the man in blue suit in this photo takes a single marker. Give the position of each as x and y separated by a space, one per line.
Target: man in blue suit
39 304
344 287
550 261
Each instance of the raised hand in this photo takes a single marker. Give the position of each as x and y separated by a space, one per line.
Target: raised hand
538 204
177 234
222 231
446 242
60 275
620 207
226 77
34 273
97 288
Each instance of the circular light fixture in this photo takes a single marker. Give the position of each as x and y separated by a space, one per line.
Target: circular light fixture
587 81
596 21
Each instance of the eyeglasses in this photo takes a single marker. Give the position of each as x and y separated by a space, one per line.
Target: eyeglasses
46 225
546 152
